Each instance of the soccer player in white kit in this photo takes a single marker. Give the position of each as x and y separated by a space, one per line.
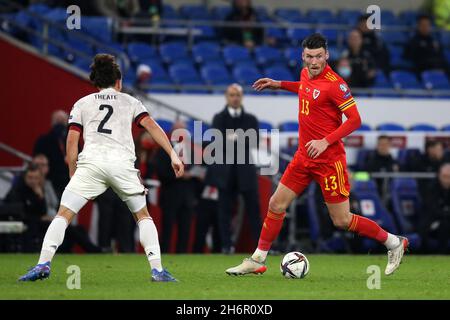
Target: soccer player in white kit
107 160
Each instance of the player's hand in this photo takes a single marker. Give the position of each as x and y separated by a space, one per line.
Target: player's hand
266 83
314 148
177 165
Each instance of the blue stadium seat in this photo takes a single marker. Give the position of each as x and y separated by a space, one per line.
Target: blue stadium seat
332 35
216 74
289 14
361 159
207 33
320 16
446 127
194 12
165 124
266 55
390 127
394 37
138 51
423 127
172 52
169 12
371 206
184 74
297 35
279 34
408 17
246 75
206 51
397 59
235 53
220 12
98 27
407 156
381 81
388 18
293 56
445 38
404 80
364 127
289 126
435 79
159 74
262 14
265 125
348 16
406 204
39 8
279 73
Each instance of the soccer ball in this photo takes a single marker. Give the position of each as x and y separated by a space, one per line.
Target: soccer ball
294 265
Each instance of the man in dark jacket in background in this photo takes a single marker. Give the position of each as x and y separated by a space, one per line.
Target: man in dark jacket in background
233 179
436 220
53 146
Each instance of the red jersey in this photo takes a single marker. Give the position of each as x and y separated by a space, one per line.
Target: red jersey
322 100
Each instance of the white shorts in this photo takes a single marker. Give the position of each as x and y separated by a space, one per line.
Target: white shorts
92 178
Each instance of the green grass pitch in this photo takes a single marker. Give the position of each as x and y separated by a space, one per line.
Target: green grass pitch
203 277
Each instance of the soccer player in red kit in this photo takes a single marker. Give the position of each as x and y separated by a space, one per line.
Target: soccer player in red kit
323 97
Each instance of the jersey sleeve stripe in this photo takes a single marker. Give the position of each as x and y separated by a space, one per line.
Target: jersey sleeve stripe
342 105
350 105
139 117
75 126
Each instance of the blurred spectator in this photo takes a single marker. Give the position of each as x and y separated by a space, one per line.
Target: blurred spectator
423 49
177 197
152 9
29 192
243 11
432 159
344 68
118 8
115 222
441 12
53 146
230 177
146 149
381 160
361 62
374 44
51 199
143 76
436 223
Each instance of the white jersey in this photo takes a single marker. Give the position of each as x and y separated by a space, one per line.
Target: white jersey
105 118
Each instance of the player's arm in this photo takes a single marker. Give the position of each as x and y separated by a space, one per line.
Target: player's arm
160 137
352 123
73 138
267 83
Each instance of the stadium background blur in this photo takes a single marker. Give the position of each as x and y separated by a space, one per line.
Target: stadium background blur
179 56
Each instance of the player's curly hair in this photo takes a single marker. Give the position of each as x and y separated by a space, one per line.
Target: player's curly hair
104 71
315 41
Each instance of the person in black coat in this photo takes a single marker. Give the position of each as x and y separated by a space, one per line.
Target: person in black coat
436 219
423 49
53 146
231 177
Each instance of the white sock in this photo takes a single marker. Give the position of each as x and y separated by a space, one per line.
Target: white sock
54 237
392 241
148 235
260 255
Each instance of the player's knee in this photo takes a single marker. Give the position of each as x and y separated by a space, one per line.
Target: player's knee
136 203
72 201
341 222
276 205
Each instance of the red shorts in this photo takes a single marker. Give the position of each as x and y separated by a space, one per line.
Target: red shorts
331 176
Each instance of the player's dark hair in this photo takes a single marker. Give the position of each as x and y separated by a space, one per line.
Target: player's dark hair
315 41
383 137
104 71
363 17
423 16
432 143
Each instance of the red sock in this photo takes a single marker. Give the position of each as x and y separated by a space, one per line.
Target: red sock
270 230
367 228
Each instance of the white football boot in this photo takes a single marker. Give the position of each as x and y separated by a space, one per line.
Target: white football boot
247 266
395 256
